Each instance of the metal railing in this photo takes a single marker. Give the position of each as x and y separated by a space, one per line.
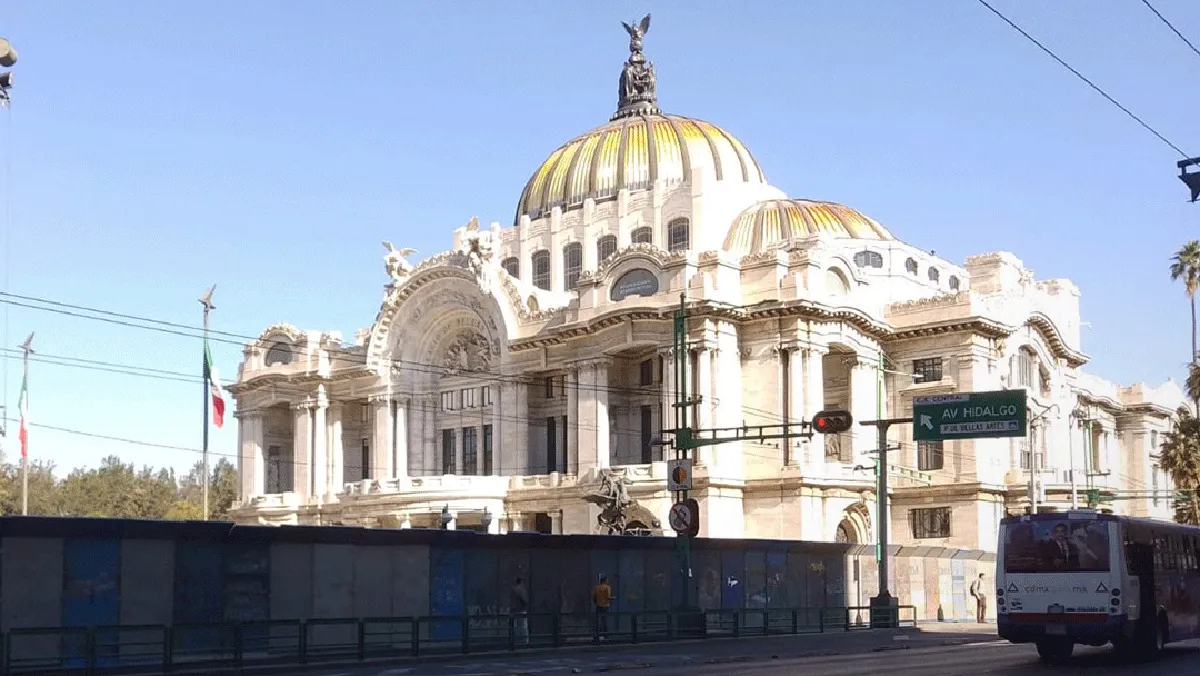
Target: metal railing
144 649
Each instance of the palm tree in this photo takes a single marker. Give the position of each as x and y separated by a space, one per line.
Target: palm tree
1185 265
1179 455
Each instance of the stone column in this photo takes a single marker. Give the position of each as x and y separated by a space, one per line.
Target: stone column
381 436
519 417
301 447
250 456
398 456
336 481
703 414
814 400
431 440
864 405
593 428
320 455
796 412
571 452
556 522
729 413
667 409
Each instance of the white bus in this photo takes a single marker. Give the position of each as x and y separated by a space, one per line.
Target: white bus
1081 577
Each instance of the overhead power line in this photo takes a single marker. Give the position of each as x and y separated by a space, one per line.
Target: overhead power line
1171 26
1081 76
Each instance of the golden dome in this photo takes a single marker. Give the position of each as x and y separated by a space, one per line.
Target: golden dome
773 222
633 152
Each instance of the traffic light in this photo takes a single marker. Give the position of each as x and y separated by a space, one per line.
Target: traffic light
832 422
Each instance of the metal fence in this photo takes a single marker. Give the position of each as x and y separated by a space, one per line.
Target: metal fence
145 649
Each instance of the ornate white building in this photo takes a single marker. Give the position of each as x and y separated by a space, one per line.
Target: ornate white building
501 376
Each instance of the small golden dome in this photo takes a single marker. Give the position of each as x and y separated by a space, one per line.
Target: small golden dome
633 152
774 222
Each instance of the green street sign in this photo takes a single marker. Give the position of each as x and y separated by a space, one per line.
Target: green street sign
970 415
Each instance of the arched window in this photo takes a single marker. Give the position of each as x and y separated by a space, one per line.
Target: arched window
910 266
1024 367
279 353
678 235
934 275
512 266
836 283
606 246
642 236
954 283
540 262
572 265
868 259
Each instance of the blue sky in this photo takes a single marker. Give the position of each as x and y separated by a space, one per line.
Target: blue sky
268 147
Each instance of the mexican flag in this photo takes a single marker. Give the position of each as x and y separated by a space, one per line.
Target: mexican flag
214 385
23 406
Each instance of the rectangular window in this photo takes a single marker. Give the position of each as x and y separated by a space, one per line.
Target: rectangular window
447 401
930 522
605 248
468 398
1025 368
677 235
646 373
572 265
487 450
366 458
1097 448
562 457
642 236
549 387
927 370
541 270
647 430
929 456
513 267
551 444
470 451
485 395
449 451
279 472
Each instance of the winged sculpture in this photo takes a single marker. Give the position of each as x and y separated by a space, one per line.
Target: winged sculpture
636 33
620 514
398 267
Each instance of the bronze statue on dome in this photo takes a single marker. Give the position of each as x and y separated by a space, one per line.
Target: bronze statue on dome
638 88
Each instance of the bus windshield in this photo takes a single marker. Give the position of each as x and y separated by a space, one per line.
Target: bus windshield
1056 545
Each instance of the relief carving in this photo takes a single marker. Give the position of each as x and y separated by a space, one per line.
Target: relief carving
468 352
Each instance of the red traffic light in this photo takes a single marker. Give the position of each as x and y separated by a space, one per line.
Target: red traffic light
832 422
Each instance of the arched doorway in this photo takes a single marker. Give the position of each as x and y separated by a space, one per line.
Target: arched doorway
846 533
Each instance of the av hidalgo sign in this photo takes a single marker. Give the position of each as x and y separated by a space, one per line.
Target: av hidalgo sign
970 415
636 282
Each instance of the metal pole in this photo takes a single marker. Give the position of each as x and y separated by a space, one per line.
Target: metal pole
683 449
880 469
26 349
881 505
206 302
1033 496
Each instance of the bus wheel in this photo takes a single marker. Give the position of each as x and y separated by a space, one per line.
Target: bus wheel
1055 651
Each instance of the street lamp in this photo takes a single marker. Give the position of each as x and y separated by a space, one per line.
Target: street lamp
447 517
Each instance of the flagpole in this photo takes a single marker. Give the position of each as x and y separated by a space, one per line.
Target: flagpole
206 301
26 350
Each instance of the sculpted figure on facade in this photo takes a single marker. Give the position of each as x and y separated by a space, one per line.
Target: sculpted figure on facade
398 267
620 514
468 352
477 246
638 84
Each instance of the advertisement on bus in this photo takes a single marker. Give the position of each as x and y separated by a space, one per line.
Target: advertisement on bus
1059 565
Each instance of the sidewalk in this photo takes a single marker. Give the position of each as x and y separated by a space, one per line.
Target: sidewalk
618 656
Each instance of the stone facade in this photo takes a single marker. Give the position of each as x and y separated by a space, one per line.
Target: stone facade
503 376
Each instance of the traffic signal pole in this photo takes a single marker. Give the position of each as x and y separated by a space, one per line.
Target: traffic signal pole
885 608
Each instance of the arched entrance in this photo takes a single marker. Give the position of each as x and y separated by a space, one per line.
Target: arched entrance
846 533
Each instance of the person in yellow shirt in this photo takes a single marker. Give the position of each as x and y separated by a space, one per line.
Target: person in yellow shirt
602 599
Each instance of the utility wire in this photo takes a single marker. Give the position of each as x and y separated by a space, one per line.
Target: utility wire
1081 76
1171 26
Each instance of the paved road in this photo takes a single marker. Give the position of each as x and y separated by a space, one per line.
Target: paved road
944 652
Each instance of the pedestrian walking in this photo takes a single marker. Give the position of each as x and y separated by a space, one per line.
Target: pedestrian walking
518 604
602 599
980 599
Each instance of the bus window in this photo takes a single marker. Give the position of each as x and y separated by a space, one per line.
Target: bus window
1058 545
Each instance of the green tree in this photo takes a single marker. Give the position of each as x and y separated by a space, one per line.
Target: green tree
1179 455
222 488
43 489
117 489
1185 267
